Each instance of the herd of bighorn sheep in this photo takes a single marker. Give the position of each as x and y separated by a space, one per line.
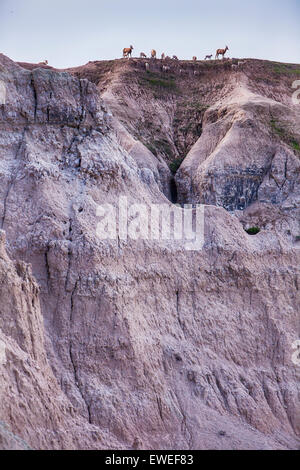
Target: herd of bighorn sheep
127 51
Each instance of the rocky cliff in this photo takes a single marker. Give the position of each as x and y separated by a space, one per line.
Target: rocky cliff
142 343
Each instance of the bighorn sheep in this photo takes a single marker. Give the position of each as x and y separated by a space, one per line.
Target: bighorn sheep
45 62
127 51
175 57
194 58
163 56
208 57
221 52
153 54
143 55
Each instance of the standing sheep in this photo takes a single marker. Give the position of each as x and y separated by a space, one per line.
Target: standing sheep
221 52
127 51
153 54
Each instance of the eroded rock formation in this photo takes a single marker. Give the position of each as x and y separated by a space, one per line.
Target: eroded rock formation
114 344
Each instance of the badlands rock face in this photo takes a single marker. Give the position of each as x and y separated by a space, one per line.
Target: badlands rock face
127 344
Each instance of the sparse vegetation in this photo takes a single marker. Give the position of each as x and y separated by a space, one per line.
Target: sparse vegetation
295 145
198 106
163 146
285 69
253 230
159 146
187 122
280 131
175 164
160 83
285 135
151 148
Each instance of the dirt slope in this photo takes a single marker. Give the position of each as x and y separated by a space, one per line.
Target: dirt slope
165 109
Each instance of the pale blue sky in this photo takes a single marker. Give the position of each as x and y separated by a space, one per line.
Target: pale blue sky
72 32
